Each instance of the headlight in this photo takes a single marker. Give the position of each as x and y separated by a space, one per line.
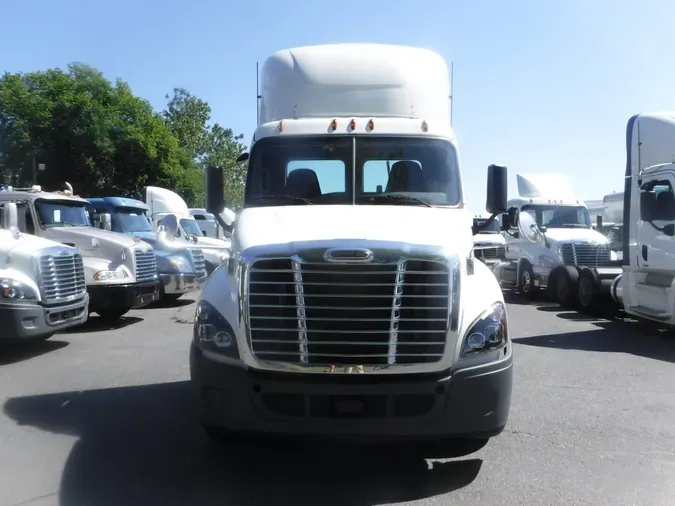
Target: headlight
488 333
211 331
110 275
15 291
547 261
178 263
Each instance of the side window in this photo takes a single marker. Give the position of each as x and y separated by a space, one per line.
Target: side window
330 174
376 174
657 201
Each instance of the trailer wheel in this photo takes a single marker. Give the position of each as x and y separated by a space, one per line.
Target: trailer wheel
566 288
526 281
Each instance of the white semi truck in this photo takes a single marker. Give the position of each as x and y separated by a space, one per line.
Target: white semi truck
351 303
646 287
489 245
42 284
551 243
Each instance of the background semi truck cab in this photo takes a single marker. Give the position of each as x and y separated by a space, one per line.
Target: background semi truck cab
42 284
162 202
120 271
351 303
180 265
489 245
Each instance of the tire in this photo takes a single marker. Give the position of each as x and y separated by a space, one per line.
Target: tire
587 293
566 288
112 314
526 282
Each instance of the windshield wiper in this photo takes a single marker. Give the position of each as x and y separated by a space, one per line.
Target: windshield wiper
394 198
282 196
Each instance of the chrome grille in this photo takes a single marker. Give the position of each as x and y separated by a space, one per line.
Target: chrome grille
489 252
592 255
198 259
62 277
348 314
146 265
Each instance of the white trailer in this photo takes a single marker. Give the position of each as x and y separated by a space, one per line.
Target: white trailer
351 303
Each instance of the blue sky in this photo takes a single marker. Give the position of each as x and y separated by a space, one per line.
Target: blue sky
540 85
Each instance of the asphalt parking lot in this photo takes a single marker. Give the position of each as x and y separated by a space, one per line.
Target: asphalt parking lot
102 416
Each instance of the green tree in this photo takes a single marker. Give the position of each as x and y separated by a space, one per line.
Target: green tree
95 135
187 117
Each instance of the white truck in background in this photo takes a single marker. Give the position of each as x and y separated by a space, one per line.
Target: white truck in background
489 245
163 202
42 284
646 287
610 222
211 226
551 243
328 319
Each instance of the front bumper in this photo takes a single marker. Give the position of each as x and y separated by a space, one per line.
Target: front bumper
133 295
34 321
461 403
182 283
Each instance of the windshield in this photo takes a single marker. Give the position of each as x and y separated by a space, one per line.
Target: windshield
492 228
550 216
191 227
132 219
321 170
55 213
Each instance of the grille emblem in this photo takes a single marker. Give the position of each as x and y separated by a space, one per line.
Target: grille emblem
350 256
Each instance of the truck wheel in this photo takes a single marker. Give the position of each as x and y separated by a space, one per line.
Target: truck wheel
566 288
111 314
587 292
526 282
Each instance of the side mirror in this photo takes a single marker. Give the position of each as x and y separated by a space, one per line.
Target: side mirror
204 233
513 217
647 204
669 230
106 221
497 189
215 201
242 158
168 225
10 219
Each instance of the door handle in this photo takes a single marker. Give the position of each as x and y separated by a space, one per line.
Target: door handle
644 252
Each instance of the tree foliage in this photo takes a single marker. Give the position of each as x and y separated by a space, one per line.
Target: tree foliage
103 139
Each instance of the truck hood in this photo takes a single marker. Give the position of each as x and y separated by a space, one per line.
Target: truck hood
575 234
437 227
210 242
81 238
27 244
489 239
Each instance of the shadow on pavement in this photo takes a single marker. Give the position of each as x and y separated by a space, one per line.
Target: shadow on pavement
140 446
95 324
168 304
19 352
635 338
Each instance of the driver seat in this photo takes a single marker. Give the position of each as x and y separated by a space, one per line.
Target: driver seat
303 183
405 176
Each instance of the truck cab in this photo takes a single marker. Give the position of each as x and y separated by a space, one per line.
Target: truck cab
180 265
550 239
351 303
120 271
646 287
489 245
42 284
162 202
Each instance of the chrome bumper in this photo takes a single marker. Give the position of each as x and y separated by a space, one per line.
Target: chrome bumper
182 283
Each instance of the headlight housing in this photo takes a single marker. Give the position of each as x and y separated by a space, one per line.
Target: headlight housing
110 275
488 333
12 290
547 261
211 331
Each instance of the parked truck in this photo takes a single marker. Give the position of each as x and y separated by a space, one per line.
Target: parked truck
489 245
180 264
120 271
351 303
42 284
162 202
551 244
646 287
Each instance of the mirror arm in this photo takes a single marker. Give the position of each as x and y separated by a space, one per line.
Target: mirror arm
222 223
